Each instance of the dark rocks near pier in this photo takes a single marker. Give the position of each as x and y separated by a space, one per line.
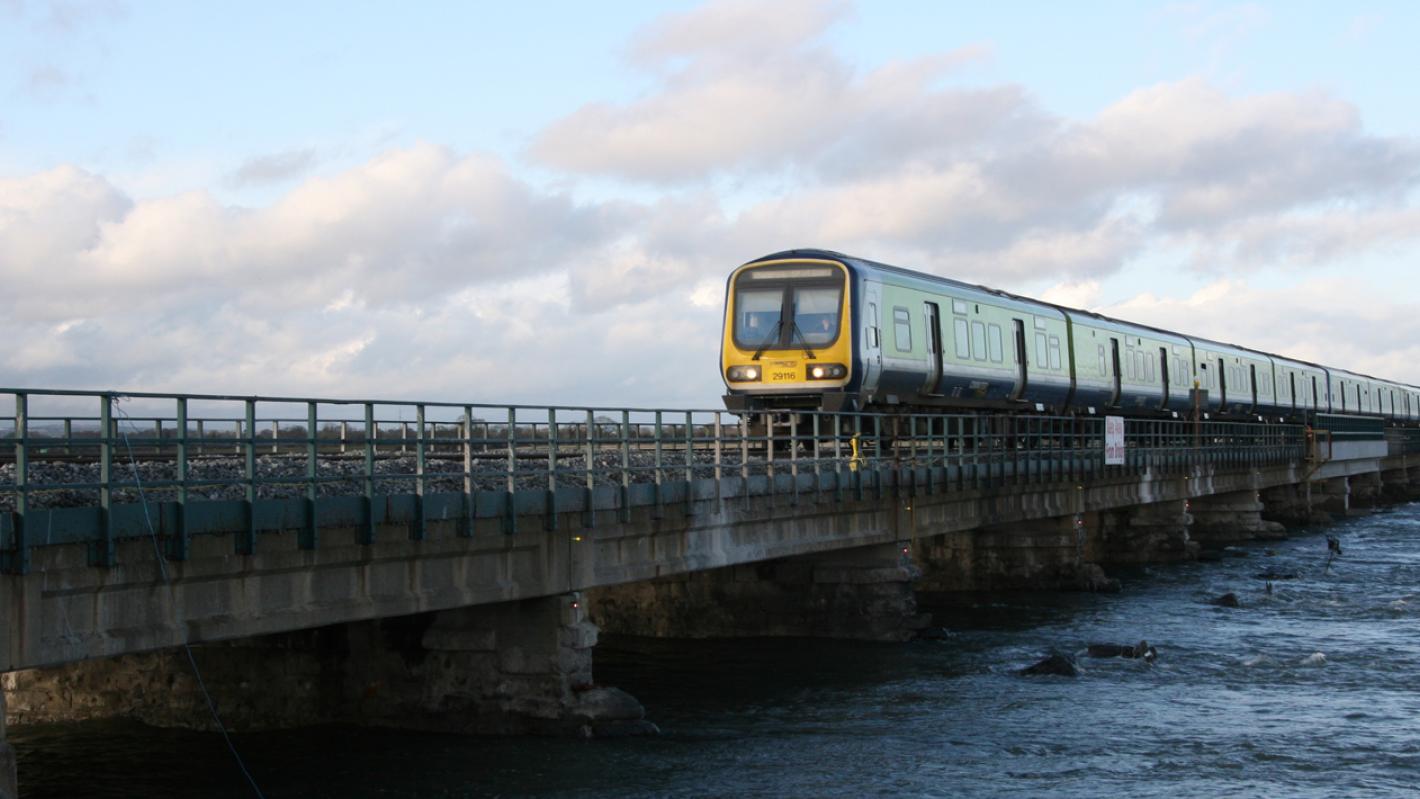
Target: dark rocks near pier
1055 665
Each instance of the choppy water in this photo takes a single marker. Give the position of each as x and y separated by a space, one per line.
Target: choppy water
1237 705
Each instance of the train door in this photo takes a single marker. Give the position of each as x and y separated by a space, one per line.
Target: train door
872 341
1164 375
1292 386
1252 373
1222 385
1117 398
932 318
1023 373
1316 399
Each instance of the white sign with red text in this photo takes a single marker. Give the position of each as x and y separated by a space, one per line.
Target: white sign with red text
1114 441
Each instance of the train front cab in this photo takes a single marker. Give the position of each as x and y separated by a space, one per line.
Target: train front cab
788 335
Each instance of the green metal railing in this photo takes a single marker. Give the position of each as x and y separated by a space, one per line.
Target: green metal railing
75 464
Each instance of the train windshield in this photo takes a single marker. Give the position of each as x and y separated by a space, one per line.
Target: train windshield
787 308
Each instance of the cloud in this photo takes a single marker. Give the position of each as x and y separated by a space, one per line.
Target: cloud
897 159
1315 320
402 227
272 168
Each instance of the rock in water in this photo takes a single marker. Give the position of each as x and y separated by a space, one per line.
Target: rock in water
1061 665
1228 600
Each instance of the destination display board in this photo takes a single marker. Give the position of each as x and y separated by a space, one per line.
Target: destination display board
1114 441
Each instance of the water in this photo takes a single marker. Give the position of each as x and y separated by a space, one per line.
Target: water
1238 704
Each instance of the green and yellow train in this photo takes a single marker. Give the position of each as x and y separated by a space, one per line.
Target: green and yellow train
815 329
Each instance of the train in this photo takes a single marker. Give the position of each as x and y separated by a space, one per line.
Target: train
820 330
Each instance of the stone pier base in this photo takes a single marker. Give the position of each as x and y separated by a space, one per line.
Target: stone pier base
1232 518
1396 486
1046 554
514 667
1332 496
1153 533
1287 505
865 593
8 788
1365 490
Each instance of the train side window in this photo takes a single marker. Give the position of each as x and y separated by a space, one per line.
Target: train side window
1040 358
902 329
963 337
1129 364
1054 352
1103 371
978 341
1149 368
994 343
873 342
958 306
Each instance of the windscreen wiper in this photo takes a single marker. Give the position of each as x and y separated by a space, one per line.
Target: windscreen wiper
808 353
770 339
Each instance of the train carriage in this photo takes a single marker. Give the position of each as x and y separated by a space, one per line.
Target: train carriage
822 330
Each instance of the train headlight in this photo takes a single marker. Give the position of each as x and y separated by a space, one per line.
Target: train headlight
744 374
827 371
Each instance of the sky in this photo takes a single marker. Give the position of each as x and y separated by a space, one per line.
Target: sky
540 203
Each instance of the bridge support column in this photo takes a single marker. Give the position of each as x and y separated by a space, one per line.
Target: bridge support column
1152 533
1396 486
1365 489
1044 554
511 668
1287 505
864 593
8 787
1231 518
1332 496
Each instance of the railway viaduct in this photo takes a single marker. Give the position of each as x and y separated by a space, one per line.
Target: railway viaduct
447 567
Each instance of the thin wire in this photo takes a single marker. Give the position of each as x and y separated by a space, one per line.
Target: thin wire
186 645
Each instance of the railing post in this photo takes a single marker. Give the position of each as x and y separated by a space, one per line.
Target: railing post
818 456
550 514
417 530
719 455
510 514
367 531
744 456
178 545
589 516
101 553
625 510
246 542
794 457
309 535
18 558
689 463
660 474
466 523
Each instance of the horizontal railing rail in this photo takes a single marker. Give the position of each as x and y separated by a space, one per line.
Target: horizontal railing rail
179 453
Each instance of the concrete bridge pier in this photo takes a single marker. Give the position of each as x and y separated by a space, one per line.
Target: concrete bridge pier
1060 552
863 593
1231 518
513 667
1287 505
1157 532
8 789
1332 496
1396 486
506 668
1365 489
